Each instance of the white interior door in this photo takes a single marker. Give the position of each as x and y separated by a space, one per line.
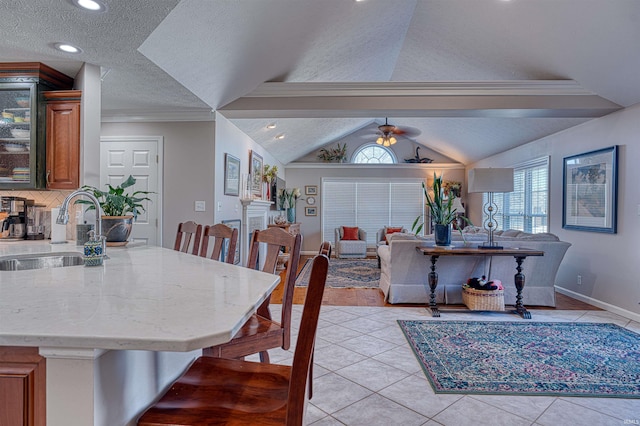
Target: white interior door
139 157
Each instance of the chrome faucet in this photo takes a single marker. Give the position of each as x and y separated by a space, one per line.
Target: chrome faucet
63 215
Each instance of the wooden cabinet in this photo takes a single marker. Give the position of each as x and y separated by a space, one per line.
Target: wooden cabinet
22 387
23 122
63 139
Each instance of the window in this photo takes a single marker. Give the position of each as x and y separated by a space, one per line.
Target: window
369 204
527 206
374 154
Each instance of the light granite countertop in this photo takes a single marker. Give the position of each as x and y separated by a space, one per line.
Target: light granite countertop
147 298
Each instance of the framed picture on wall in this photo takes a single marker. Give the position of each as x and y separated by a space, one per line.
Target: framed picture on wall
311 190
311 211
256 163
590 191
235 224
231 175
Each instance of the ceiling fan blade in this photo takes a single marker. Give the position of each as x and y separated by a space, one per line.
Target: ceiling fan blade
406 131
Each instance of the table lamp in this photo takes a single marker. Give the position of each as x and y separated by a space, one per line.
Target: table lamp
490 180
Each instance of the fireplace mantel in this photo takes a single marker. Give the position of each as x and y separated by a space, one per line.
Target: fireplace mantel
254 216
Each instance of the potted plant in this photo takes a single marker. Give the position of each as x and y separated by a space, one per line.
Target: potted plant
120 209
442 212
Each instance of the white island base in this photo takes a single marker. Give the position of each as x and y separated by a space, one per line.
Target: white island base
97 387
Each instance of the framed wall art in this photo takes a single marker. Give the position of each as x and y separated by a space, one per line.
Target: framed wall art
590 191
311 190
235 224
311 211
256 170
231 175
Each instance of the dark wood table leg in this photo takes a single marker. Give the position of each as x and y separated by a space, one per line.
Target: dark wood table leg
433 283
519 281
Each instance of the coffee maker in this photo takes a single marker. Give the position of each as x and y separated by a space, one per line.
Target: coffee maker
35 221
14 224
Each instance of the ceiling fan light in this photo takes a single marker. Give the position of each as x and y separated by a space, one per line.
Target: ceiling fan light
392 140
379 141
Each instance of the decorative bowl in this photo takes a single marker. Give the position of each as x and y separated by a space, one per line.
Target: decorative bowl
23 101
14 147
20 133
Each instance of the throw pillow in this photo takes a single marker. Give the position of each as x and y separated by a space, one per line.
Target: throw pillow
387 230
350 233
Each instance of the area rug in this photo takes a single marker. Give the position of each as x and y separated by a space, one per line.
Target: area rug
346 273
527 358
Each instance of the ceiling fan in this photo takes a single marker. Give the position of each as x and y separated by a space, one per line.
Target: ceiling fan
386 137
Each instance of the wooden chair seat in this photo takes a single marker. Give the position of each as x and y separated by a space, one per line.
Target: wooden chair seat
223 391
257 331
219 391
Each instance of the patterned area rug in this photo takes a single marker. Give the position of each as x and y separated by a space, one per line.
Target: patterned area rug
527 358
345 273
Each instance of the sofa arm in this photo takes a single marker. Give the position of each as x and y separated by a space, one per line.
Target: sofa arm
362 234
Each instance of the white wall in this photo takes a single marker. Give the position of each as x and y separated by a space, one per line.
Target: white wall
189 169
605 261
230 140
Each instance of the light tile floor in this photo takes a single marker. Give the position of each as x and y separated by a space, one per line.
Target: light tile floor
366 374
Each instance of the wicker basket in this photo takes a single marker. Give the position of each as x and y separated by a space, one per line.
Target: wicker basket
483 300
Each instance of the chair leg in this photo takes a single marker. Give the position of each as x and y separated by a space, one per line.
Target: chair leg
311 377
264 357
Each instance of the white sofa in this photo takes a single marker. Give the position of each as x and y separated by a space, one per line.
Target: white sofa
404 270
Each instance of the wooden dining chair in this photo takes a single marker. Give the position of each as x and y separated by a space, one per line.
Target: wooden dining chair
261 332
229 391
188 231
219 233
325 248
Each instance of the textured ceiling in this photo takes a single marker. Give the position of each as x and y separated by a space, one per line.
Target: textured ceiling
197 55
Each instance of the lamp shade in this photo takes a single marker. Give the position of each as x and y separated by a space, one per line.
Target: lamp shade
491 180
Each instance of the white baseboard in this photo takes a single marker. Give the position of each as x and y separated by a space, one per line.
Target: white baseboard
600 304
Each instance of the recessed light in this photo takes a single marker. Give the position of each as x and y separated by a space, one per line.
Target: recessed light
90 5
271 126
280 136
68 48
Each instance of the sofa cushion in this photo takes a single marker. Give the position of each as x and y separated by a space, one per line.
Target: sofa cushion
401 236
350 233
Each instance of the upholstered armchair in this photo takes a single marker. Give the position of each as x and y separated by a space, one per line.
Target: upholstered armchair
351 242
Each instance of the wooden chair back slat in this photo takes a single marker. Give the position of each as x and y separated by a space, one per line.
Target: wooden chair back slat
188 231
219 233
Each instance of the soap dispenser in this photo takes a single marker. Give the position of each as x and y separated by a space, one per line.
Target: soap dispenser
93 250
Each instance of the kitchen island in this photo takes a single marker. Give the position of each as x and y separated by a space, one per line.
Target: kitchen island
116 335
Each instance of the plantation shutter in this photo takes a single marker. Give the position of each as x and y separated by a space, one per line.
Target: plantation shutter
526 207
369 204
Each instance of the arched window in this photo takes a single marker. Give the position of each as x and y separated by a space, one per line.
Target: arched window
374 154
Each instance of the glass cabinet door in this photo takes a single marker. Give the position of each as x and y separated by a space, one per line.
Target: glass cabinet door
17 135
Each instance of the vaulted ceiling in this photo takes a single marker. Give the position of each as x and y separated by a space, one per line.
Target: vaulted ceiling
435 65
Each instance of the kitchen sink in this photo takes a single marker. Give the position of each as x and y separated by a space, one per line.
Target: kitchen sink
40 261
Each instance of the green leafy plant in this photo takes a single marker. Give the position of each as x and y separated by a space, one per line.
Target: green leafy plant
269 173
440 208
338 154
115 202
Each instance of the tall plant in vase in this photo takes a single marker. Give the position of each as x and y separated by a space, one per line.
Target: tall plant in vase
289 198
269 174
441 210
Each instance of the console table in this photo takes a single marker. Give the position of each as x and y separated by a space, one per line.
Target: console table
519 255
